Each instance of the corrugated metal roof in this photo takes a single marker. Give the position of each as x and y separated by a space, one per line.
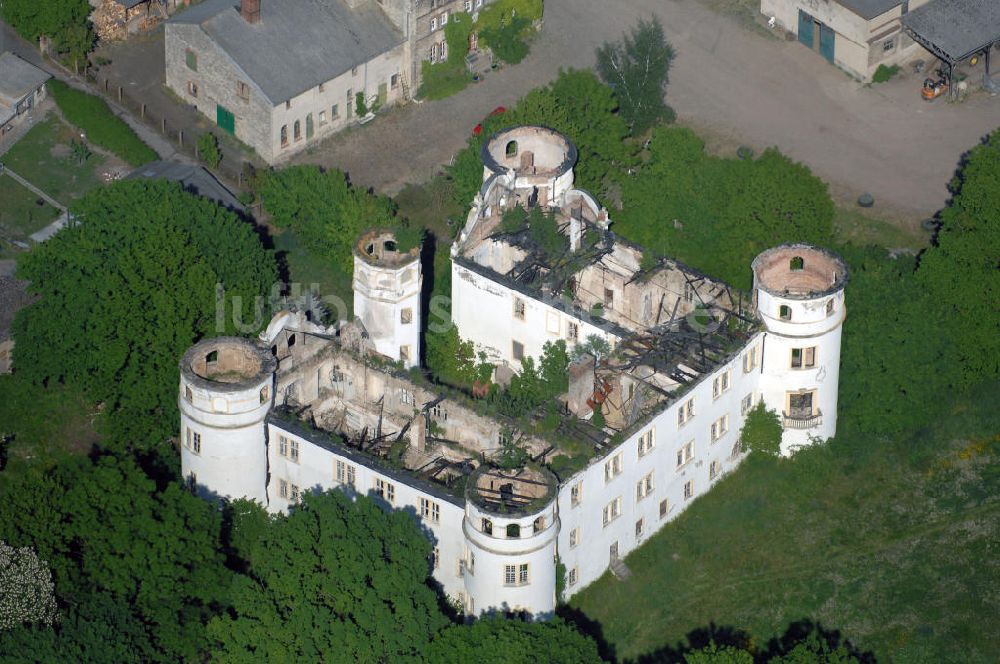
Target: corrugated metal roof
959 28
297 44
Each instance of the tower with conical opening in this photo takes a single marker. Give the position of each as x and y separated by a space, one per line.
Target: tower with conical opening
799 295
387 285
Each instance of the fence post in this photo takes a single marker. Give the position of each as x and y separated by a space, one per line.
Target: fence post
106 82
142 111
180 137
163 125
119 94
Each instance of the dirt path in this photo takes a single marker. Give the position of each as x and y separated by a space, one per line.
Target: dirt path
736 84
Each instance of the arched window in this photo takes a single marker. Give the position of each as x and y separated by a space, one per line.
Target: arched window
829 307
212 357
284 136
513 531
512 149
297 131
444 51
309 126
785 312
796 263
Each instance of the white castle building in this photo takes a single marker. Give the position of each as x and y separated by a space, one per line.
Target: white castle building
650 421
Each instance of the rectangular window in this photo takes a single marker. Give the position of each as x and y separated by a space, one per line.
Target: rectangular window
720 427
430 511
646 442
572 331
468 5
888 45
609 298
747 404
644 487
436 557
714 469
335 111
406 397
612 510
193 441
295 495
519 308
664 508
613 467
243 90
283 489
804 358
346 473
192 88
387 490
574 537
750 360
517 350
191 58
522 574
640 527
349 102
444 19
576 494
322 118
685 454
406 316
434 23
688 489
685 412
509 575
394 81
574 576
721 384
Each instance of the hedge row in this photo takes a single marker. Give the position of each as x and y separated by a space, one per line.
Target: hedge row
92 115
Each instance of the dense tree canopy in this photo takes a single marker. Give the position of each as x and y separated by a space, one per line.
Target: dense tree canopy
717 214
503 641
65 21
324 210
637 69
336 579
127 556
127 289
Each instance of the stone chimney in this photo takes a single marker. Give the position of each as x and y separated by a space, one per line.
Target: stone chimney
250 11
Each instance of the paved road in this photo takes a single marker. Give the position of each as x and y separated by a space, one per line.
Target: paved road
737 85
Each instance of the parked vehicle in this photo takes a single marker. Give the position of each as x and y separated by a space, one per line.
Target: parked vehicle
935 88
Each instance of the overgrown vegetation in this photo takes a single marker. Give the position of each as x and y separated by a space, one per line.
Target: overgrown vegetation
92 116
65 22
761 433
883 74
208 149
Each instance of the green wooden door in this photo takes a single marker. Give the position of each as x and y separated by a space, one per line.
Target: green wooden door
826 42
225 119
806 29
383 94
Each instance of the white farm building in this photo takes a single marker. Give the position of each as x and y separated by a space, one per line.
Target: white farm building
643 429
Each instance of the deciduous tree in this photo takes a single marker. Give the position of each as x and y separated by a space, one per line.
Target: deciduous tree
499 640
637 69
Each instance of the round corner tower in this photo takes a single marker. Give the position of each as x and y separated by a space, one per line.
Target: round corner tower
226 391
541 159
799 296
387 286
510 530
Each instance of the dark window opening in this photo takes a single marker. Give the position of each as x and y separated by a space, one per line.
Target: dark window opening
212 357
796 263
511 149
513 530
785 312
291 340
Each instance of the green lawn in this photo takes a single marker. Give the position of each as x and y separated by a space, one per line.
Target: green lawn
306 268
43 158
892 544
855 227
46 423
20 213
432 205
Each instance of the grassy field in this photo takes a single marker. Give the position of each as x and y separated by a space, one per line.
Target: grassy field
43 158
306 268
892 544
20 213
855 227
45 424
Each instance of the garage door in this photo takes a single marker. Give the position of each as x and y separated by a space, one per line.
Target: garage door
826 41
806 29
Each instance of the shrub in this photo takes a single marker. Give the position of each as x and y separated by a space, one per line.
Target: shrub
92 116
507 41
761 432
883 73
208 149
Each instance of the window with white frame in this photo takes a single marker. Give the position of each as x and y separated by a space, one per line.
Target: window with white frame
803 358
747 404
523 578
430 511
646 442
283 489
720 427
640 527
434 23
193 441
576 494
436 557
644 487
516 575
468 5
387 490
613 467
346 473
572 331
664 507
574 537
688 489
444 51
685 454
721 384
406 397
519 308
714 469
685 412
288 448
295 495
750 360
574 576
434 53
322 118
509 575
444 19
612 510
